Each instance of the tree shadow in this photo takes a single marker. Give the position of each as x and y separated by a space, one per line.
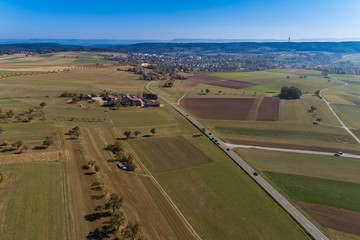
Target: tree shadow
89 173
97 197
39 148
147 135
97 234
196 135
96 216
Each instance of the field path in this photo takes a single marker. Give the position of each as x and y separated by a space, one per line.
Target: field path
337 117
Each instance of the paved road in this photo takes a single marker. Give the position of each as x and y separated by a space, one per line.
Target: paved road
337 117
314 231
230 145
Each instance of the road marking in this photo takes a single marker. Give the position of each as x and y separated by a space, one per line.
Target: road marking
308 225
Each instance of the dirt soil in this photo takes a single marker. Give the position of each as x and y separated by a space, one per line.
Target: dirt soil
221 108
291 146
194 80
330 217
268 110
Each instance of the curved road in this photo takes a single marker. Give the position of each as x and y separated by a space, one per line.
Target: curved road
296 214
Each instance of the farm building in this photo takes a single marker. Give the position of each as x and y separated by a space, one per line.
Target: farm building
152 104
109 98
132 101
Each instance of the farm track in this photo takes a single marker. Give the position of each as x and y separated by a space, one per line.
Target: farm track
336 116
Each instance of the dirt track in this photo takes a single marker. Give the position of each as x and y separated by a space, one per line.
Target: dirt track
221 108
269 109
194 80
291 146
339 219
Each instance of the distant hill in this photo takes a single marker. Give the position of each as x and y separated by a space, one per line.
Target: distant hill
196 48
242 47
35 47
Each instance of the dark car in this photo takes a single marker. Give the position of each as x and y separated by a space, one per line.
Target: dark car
255 173
337 155
228 149
209 133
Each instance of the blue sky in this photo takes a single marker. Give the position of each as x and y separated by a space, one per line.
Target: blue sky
225 19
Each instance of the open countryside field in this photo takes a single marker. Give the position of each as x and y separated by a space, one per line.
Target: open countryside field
321 185
201 191
32 205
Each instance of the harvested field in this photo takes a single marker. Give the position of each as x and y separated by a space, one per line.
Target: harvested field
221 108
193 81
334 218
29 157
293 146
269 109
353 93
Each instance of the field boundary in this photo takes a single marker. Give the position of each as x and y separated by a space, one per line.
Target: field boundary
337 117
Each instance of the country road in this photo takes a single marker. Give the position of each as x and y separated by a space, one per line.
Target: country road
296 214
347 155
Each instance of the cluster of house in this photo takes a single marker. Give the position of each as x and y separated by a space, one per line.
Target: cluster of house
130 100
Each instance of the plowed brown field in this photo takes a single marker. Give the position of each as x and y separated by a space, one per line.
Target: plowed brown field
269 109
221 108
339 219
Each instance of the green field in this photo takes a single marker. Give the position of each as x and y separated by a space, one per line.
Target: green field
326 192
202 191
187 155
325 167
32 205
276 80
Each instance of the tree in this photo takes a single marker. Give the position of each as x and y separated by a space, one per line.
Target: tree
96 168
132 230
117 219
43 104
312 109
26 148
18 144
319 120
3 176
220 92
203 130
136 133
127 134
207 91
290 93
317 93
10 113
153 131
117 147
48 141
114 203
130 165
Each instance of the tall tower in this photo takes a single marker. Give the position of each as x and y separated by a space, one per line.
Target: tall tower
289 39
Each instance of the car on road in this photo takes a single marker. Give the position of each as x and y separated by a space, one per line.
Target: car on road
209 133
340 153
337 155
228 149
255 174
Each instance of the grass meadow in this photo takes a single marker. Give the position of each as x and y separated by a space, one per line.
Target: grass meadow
32 205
